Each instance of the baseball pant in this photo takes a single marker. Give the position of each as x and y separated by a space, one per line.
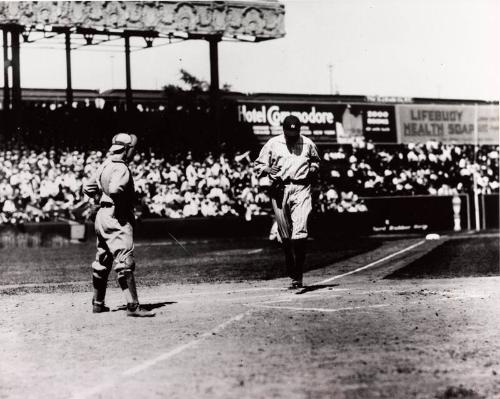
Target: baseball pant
115 245
292 209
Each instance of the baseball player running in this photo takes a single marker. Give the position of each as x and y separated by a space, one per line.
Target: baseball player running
290 160
113 186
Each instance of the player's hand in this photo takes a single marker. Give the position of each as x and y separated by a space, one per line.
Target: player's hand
91 212
273 170
137 215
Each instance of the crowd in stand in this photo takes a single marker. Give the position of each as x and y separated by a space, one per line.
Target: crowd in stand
47 185
414 169
38 185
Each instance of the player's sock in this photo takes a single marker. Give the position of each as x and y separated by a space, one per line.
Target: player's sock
289 259
299 249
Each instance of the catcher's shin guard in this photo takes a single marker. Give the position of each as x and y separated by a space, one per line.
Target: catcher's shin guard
100 275
130 290
126 279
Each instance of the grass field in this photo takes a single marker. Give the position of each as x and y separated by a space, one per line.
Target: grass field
461 257
194 261
227 327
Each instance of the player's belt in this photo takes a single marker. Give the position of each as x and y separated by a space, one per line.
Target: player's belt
106 204
296 181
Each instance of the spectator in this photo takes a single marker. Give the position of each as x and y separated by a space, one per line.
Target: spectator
45 184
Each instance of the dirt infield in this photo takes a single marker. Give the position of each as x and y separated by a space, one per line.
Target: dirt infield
349 334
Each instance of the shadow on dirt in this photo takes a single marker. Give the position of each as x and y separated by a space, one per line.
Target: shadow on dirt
312 288
147 306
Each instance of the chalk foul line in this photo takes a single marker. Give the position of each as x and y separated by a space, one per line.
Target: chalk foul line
175 351
326 310
162 357
371 264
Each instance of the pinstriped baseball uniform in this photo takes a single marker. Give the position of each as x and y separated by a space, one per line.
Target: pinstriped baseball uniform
292 205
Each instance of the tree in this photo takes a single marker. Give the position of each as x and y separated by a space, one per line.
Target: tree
191 84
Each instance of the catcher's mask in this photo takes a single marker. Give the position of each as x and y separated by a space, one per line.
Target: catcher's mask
123 142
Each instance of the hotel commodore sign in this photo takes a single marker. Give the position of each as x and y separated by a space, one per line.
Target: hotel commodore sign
327 123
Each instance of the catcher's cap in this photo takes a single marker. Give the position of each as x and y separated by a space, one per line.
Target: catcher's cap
121 141
291 122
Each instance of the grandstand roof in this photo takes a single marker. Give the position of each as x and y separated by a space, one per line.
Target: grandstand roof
59 95
55 95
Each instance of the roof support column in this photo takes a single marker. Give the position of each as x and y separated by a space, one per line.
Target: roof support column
214 87
69 84
16 68
128 80
6 66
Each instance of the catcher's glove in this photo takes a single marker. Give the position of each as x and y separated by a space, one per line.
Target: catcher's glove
90 212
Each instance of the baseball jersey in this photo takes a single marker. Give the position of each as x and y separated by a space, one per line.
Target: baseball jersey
295 161
114 181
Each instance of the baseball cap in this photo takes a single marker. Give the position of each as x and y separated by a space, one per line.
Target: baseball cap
291 122
122 140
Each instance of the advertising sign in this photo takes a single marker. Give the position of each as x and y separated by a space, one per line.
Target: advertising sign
265 119
447 123
487 124
379 123
323 122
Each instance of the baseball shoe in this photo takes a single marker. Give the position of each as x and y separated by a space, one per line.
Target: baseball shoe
99 307
296 284
139 311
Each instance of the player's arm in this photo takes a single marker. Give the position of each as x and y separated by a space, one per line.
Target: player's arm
314 159
263 164
90 187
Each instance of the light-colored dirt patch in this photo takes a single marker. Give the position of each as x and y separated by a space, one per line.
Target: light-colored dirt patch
361 337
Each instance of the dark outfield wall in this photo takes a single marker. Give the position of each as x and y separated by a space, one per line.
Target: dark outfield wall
490 211
419 213
228 227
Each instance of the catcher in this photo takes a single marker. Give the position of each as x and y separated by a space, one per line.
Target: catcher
113 187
